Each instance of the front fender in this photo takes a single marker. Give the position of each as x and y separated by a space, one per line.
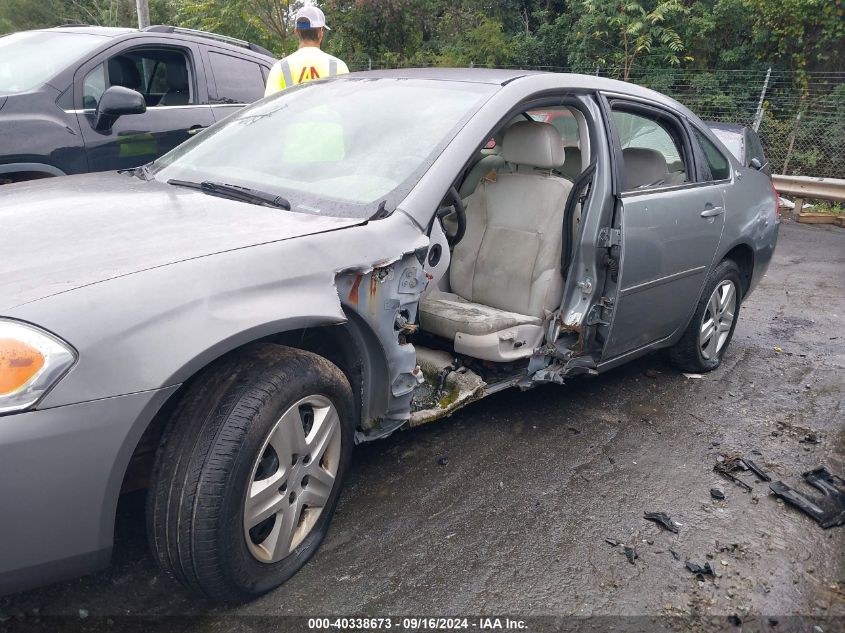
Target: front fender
156 328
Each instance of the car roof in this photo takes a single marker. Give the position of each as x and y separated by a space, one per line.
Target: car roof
104 31
159 31
515 76
493 76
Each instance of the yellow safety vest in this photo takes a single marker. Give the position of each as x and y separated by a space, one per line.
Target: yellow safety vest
308 63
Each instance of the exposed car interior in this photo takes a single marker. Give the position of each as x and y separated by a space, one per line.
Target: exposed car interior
496 304
501 281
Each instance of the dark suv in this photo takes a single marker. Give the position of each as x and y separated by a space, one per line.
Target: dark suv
76 99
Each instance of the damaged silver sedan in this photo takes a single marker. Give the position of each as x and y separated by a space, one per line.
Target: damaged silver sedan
337 262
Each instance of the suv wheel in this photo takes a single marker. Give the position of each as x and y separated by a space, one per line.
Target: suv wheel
249 471
712 326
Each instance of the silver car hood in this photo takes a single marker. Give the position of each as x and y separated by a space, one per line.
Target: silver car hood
63 233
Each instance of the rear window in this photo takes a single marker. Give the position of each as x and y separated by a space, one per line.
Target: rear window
28 59
720 167
731 140
238 80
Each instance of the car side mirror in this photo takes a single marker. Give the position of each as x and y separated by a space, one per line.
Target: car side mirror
117 101
766 167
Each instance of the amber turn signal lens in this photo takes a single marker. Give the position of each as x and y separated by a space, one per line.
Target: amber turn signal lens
19 362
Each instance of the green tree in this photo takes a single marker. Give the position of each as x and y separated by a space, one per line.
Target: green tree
265 22
617 34
483 45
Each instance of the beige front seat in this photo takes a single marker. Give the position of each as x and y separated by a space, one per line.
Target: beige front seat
505 272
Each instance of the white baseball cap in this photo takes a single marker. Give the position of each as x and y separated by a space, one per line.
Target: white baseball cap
310 18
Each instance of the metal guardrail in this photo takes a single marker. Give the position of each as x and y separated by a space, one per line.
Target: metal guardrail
802 187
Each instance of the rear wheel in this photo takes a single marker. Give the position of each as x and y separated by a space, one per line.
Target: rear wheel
712 326
249 471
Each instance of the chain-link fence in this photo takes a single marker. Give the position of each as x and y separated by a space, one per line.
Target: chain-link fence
800 118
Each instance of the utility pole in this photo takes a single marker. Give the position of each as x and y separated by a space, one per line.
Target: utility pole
143 7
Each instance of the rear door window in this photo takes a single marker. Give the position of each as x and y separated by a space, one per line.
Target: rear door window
652 154
238 80
717 164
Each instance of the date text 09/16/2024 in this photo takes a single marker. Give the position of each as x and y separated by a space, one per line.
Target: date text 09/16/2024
417 624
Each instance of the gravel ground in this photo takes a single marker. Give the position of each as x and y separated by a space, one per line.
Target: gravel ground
514 519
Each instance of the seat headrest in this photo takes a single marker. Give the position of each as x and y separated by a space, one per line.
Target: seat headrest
642 166
533 143
177 76
124 72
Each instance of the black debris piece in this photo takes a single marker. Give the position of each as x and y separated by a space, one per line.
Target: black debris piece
732 463
675 554
717 494
631 554
701 571
442 461
721 469
735 619
810 438
756 469
663 519
611 541
829 509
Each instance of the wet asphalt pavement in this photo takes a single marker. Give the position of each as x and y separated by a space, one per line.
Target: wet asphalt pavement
505 507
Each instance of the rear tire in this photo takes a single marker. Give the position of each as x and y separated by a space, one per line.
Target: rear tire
715 315
216 452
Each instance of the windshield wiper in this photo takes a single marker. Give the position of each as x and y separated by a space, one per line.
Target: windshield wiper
235 192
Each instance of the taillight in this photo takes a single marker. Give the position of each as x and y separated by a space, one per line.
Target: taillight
777 201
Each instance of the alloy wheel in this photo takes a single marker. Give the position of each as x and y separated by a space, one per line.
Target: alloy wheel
718 320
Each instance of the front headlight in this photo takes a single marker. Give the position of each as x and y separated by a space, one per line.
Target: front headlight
31 361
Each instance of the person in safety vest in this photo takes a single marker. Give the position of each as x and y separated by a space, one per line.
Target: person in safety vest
309 62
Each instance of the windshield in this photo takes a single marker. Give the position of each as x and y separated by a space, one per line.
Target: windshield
332 147
731 140
30 58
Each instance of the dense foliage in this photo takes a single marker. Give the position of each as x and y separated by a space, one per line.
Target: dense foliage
612 36
711 54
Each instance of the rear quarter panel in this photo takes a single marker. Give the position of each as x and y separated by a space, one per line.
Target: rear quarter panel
751 219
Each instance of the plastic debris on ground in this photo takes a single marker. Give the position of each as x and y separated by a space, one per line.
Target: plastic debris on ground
664 520
701 571
828 510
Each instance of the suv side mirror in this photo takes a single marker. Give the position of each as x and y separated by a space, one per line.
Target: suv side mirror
117 101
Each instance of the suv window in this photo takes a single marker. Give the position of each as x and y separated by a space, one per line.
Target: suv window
650 154
238 80
162 75
718 166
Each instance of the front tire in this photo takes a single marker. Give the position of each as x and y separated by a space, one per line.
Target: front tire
249 471
712 326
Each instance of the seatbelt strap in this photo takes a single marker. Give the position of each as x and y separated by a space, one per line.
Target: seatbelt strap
286 73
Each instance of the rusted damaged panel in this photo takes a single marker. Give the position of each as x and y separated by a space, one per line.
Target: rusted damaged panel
352 298
389 306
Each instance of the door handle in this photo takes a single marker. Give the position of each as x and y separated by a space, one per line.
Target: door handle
195 129
712 212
